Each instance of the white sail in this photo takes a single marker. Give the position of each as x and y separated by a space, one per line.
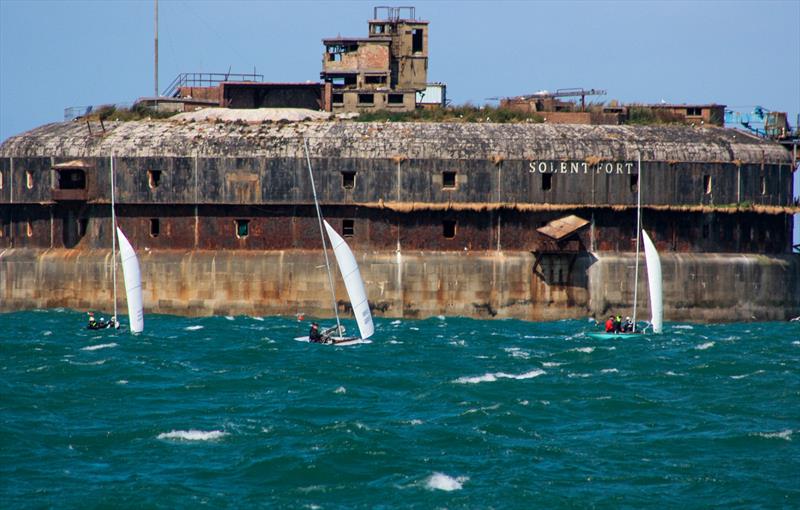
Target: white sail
654 282
352 282
133 283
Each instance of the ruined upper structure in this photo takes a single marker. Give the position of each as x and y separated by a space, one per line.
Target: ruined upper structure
382 71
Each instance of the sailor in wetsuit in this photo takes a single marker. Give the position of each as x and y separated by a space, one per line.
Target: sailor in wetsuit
314 335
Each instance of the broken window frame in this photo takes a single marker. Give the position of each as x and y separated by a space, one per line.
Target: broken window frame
348 179
153 178
242 227
449 227
449 179
417 40
547 182
348 227
155 227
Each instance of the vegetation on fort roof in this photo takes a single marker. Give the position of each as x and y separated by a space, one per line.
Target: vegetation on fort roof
643 115
463 113
137 112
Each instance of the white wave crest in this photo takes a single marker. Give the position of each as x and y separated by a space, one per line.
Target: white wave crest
443 482
682 326
193 435
99 346
229 317
587 350
747 375
340 389
609 371
259 319
703 347
499 375
193 328
548 364
783 434
516 352
396 322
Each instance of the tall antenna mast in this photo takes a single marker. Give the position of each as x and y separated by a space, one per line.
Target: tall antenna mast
155 70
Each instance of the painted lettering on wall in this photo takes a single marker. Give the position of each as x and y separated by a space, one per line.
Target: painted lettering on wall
581 167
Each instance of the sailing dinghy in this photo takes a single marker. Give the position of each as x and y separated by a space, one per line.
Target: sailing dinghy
654 279
351 275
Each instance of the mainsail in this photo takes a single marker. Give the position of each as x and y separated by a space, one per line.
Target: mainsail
654 282
352 282
133 283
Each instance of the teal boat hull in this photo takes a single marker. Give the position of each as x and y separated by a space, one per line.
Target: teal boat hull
614 336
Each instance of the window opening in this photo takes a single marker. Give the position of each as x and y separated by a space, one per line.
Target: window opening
28 179
83 223
242 228
375 80
337 98
707 184
366 99
634 183
448 180
693 112
153 178
155 227
449 229
416 40
395 99
71 179
348 228
547 181
348 180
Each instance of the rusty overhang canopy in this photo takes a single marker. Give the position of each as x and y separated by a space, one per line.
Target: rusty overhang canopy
563 227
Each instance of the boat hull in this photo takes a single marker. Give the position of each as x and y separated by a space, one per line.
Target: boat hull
614 336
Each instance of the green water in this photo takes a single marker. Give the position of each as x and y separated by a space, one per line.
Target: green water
441 413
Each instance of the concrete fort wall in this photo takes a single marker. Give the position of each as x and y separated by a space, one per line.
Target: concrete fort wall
707 287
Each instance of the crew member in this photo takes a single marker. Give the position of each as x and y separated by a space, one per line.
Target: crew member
313 334
627 325
92 322
610 324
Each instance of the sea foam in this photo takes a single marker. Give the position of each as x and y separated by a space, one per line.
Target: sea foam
498 375
99 346
443 482
193 435
193 328
703 347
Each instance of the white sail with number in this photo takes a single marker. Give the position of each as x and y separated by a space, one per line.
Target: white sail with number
352 282
654 282
133 283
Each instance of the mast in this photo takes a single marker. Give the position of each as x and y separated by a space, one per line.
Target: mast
322 234
155 63
638 232
113 243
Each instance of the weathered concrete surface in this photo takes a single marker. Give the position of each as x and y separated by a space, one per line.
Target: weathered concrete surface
417 285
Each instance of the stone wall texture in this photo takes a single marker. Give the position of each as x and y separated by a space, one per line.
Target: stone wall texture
412 285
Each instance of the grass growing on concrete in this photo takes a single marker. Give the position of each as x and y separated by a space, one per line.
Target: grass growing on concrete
136 112
464 113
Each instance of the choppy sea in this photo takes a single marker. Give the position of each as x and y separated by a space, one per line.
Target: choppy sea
231 412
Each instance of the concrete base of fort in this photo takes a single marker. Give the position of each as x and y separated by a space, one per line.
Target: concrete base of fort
702 287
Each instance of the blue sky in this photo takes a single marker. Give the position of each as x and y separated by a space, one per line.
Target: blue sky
55 54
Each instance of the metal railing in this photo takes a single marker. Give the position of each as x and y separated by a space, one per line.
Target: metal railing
73 112
206 80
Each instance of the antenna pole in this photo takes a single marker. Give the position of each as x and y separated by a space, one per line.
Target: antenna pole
322 234
155 67
113 243
638 231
